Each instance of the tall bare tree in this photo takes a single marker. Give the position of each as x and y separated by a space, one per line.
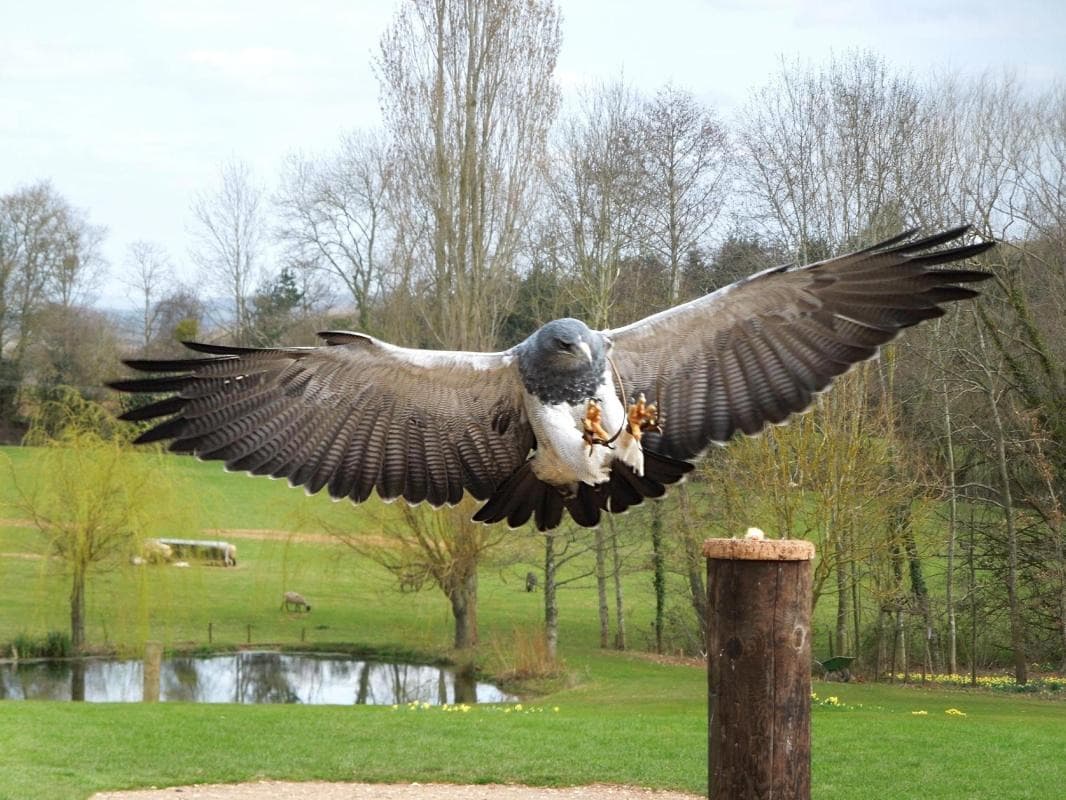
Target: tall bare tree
228 238
468 97
596 199
148 275
598 196
334 216
49 252
685 164
827 154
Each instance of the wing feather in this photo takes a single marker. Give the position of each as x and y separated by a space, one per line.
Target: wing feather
759 350
316 468
352 416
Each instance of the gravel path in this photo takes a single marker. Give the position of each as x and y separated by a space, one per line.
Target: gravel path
280 790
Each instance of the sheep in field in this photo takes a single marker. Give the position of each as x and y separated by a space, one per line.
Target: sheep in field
294 601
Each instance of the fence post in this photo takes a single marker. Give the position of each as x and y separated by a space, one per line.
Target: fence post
759 668
153 663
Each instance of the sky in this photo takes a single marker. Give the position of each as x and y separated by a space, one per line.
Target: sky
130 107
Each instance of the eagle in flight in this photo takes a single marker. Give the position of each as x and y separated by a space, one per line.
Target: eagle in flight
571 418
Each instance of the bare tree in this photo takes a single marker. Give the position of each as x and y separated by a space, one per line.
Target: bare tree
49 252
334 216
685 164
180 318
80 266
437 548
827 154
228 237
988 378
148 274
468 98
598 196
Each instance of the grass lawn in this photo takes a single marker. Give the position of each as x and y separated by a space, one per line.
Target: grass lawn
622 718
606 730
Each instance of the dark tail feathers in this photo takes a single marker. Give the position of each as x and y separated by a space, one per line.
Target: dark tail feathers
523 495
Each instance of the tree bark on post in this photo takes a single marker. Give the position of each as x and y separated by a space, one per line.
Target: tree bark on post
759 668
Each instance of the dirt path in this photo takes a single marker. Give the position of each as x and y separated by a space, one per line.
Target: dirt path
280 790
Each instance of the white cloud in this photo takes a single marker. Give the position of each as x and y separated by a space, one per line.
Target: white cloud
245 63
36 61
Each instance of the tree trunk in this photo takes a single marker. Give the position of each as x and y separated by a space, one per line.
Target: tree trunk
843 604
899 642
463 597
658 572
1017 632
601 589
856 609
972 591
551 605
953 527
920 592
901 646
619 603
879 657
77 609
694 562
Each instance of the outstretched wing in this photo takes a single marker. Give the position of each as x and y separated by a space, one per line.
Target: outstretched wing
353 416
758 350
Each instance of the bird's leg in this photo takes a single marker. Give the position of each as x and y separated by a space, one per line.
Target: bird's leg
642 416
592 427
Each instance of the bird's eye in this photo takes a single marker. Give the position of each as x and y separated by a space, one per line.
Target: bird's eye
562 344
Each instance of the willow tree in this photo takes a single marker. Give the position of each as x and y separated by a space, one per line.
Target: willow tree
89 496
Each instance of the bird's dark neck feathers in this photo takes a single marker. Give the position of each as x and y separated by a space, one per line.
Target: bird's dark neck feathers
569 386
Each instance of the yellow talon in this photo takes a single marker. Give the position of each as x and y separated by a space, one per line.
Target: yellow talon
592 426
642 416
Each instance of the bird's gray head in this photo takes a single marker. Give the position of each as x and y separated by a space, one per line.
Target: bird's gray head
563 361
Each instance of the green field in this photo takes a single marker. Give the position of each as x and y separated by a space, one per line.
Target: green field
621 718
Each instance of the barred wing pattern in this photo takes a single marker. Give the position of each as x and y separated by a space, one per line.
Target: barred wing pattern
353 416
757 351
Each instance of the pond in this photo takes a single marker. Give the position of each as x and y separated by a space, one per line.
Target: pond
247 677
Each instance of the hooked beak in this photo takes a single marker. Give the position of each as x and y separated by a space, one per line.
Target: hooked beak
586 350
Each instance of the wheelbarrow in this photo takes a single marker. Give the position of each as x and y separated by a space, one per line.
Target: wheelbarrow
838 666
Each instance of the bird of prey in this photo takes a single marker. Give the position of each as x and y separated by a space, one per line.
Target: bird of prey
571 418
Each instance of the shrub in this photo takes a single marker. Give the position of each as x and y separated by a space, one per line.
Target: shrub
55 644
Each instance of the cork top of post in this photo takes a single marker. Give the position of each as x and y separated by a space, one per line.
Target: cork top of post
751 549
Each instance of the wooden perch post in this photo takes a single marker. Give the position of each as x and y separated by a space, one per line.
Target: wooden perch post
759 668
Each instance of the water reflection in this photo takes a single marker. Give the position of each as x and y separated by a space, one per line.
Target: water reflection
249 677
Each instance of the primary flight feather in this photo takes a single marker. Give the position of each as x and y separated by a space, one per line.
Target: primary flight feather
570 418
